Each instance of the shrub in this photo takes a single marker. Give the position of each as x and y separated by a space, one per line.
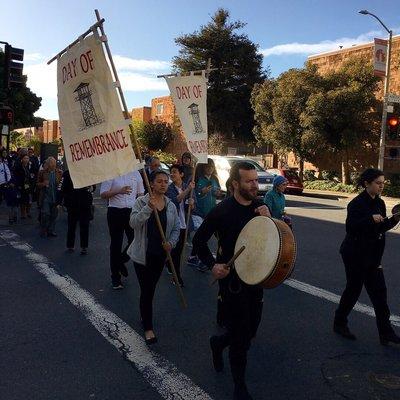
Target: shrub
391 190
166 158
330 175
309 175
330 185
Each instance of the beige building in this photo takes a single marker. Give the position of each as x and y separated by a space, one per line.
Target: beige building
333 60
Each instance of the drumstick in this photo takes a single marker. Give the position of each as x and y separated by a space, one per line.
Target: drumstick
231 261
393 215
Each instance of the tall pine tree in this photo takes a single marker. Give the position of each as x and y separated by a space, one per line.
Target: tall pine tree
239 69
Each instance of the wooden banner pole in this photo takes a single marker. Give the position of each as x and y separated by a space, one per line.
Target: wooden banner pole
139 155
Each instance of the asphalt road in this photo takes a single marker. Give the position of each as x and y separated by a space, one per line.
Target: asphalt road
65 334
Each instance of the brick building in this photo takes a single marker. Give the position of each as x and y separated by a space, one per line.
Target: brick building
333 60
163 109
51 131
141 114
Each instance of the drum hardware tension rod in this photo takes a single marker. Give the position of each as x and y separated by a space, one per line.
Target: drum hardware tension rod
231 261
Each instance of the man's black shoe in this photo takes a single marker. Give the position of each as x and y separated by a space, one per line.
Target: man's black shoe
123 270
216 351
343 330
241 393
389 338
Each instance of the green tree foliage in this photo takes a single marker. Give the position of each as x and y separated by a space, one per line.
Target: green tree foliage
239 68
153 135
278 106
343 114
318 116
17 140
24 102
35 143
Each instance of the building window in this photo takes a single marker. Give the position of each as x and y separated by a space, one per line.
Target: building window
159 109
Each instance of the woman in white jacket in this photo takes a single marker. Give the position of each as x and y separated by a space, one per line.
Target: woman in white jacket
147 250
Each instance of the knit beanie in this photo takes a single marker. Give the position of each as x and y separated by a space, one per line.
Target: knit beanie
278 180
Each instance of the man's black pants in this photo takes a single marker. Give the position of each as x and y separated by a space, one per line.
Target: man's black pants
242 313
148 276
118 224
75 215
374 281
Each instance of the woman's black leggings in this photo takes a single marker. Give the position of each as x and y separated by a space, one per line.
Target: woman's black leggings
148 276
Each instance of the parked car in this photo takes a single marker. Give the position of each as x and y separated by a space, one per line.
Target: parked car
295 185
223 166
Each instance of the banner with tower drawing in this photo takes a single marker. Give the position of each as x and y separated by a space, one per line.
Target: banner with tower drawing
95 135
189 94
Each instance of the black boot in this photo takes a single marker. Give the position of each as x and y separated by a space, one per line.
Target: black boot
240 393
389 337
217 350
343 330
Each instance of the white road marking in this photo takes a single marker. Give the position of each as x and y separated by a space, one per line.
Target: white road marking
159 372
334 298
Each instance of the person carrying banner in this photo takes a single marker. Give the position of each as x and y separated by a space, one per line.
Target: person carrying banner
47 183
149 260
242 308
78 203
121 194
178 192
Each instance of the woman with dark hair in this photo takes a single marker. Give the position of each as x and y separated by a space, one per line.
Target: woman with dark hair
179 192
147 250
362 251
207 187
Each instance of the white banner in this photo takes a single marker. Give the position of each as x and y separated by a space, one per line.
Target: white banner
189 94
94 133
380 54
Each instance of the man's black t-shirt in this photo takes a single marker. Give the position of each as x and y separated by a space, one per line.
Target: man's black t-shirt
226 220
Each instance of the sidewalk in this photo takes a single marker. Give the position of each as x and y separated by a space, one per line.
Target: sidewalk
345 197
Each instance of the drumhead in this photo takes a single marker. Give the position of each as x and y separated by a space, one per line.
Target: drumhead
261 238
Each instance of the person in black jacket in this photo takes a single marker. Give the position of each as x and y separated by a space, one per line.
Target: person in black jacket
362 251
179 192
242 304
25 178
78 203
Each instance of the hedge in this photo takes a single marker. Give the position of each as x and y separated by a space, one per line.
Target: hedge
389 190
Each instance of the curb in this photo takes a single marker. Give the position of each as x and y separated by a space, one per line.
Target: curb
345 197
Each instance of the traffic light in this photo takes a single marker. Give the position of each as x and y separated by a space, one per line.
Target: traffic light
13 66
393 125
6 115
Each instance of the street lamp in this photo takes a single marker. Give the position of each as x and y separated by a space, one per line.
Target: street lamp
385 90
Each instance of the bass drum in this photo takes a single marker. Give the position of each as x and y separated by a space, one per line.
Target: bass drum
269 255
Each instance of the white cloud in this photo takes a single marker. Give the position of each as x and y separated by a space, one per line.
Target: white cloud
135 76
133 82
33 57
321 47
130 64
42 79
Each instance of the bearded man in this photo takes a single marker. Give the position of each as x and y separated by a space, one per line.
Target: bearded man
241 303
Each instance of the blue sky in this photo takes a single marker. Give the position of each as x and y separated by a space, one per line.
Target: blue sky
141 34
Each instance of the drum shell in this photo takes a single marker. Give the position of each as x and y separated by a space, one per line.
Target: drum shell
287 255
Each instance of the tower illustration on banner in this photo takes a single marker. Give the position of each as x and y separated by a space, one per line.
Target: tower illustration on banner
195 113
89 115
